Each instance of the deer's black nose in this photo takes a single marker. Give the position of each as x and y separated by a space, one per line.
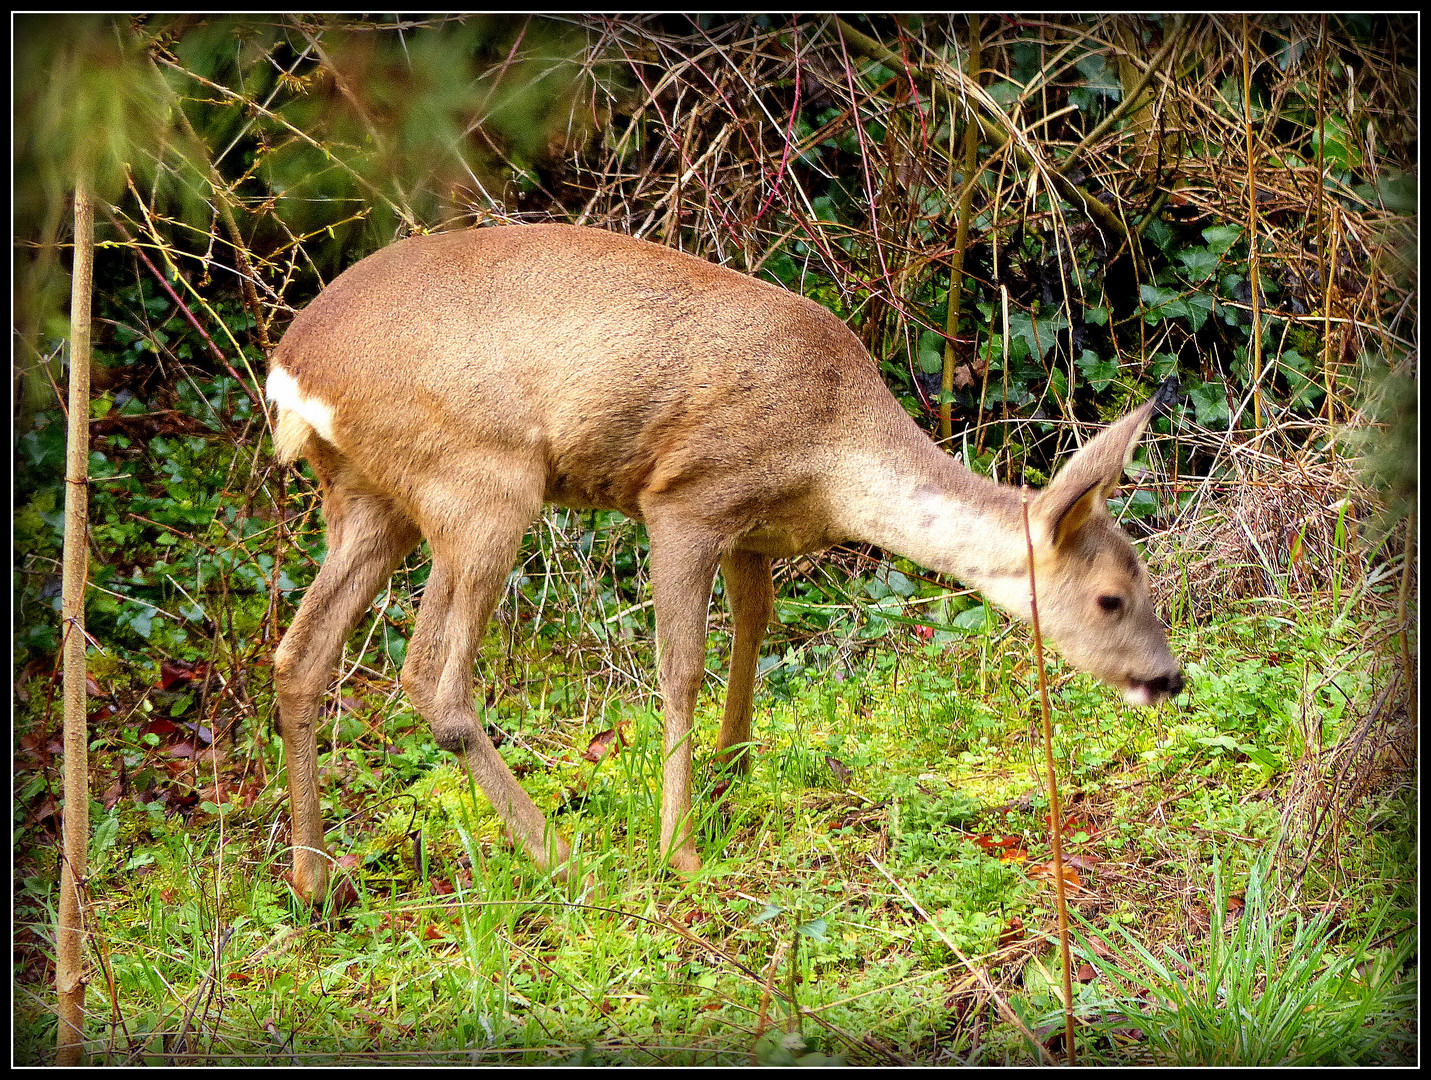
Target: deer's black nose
1165 685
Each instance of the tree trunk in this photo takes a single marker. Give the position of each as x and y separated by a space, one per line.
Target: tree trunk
69 937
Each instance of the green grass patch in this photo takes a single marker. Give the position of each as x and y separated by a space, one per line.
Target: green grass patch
911 763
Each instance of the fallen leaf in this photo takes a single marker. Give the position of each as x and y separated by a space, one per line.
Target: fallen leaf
46 809
174 672
996 842
38 750
1007 848
1013 932
603 743
101 714
343 895
161 726
1198 918
1046 871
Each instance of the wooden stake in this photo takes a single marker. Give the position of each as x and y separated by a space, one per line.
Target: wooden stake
1055 809
69 937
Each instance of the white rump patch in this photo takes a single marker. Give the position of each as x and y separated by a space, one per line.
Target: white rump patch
282 390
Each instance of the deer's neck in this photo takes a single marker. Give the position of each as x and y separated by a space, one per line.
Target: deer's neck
913 499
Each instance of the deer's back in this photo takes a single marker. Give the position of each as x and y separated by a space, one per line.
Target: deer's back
622 365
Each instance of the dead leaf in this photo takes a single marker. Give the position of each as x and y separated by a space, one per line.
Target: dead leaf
174 672
603 743
343 895
1198 918
1013 932
1046 871
39 751
161 726
1007 848
46 809
101 714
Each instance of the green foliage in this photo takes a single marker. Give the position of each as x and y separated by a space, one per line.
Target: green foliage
892 716
91 104
1267 988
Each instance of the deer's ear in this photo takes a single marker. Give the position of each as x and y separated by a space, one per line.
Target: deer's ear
1083 485
1059 513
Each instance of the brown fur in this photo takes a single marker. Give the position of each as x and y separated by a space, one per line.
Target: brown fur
471 376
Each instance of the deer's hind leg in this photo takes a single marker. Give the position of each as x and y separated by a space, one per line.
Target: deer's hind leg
367 539
475 529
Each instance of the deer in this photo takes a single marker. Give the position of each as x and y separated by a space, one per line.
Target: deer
450 385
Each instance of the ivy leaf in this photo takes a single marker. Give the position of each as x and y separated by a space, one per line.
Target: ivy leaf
1097 371
1161 303
1039 334
976 618
1162 365
814 929
931 352
1210 399
769 912
1159 233
1200 263
1221 237
1199 307
900 584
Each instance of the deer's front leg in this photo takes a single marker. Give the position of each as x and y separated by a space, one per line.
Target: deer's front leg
751 593
682 570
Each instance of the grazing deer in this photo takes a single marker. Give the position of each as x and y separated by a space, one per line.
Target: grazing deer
449 385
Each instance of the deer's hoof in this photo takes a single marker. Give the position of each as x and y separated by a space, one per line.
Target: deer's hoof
685 862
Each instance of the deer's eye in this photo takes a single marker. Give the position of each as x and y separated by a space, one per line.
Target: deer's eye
1110 604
